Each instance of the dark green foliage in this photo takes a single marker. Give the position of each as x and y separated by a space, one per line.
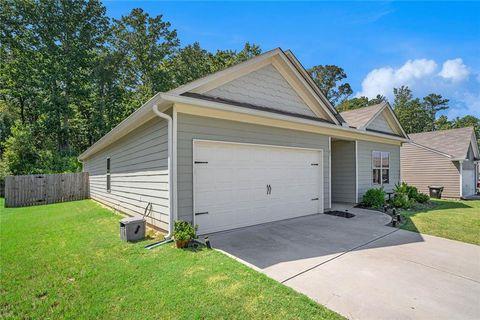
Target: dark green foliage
411 113
69 74
402 201
357 103
422 197
406 195
184 231
374 198
329 78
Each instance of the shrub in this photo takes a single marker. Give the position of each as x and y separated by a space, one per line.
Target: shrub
374 198
184 231
401 201
422 198
404 189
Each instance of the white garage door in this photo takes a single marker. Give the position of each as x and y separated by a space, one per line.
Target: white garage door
238 185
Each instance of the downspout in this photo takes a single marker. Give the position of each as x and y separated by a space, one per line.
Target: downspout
169 235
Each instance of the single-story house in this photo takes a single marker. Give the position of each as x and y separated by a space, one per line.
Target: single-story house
447 158
254 143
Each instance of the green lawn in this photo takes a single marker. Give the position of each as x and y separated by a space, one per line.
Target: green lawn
66 261
456 220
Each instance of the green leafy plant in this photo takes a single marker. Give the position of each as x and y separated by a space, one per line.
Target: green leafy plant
374 198
404 189
184 231
422 197
402 201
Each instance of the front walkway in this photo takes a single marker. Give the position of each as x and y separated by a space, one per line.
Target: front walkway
363 269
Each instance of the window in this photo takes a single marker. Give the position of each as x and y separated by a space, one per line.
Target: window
380 167
108 174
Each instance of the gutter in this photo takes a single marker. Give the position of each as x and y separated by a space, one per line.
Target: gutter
169 235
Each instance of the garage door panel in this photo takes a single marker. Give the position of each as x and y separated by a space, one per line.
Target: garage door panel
232 186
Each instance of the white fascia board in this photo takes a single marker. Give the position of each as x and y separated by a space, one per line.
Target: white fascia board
386 106
266 114
141 115
197 83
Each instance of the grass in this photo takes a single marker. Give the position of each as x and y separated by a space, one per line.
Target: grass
66 261
456 220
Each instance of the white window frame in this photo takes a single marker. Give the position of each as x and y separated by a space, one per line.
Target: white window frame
381 168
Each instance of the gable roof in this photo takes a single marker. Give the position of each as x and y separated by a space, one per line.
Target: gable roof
361 118
453 142
358 118
193 94
315 100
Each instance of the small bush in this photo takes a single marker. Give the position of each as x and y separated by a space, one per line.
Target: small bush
184 231
374 198
422 198
402 201
404 189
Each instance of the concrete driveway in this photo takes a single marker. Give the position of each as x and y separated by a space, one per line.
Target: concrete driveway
363 269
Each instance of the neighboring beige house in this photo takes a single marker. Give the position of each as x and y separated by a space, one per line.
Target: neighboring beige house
447 158
254 143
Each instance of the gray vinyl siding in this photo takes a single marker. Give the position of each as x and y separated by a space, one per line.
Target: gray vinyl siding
265 87
343 171
365 175
139 173
380 124
194 127
422 167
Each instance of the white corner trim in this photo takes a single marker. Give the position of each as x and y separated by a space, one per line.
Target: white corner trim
461 178
356 171
330 172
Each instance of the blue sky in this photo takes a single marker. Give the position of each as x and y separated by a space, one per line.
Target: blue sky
430 46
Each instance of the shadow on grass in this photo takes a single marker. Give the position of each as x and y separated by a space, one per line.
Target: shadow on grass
433 205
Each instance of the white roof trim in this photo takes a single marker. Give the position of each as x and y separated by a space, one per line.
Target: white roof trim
141 115
473 142
308 78
385 105
266 114
260 61
165 100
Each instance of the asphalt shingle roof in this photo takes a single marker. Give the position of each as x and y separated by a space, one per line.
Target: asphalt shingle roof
454 142
359 117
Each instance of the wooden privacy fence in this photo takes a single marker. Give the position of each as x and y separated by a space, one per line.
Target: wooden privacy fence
35 189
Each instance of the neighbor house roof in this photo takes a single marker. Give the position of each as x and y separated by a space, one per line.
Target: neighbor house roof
358 118
453 142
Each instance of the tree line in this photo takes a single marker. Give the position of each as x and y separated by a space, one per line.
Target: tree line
414 114
69 74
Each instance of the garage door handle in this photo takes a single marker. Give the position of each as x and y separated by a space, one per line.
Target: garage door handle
200 213
269 189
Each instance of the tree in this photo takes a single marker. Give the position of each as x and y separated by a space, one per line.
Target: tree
192 62
411 113
434 103
329 79
468 121
361 102
146 43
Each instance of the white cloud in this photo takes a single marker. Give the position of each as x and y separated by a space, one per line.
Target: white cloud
454 70
383 80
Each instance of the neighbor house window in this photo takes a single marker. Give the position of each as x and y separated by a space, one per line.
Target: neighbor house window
380 167
108 174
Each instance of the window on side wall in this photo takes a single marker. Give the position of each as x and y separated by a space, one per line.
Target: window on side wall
380 167
108 175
